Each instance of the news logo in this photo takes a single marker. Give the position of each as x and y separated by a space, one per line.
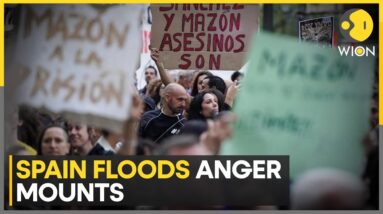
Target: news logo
356 25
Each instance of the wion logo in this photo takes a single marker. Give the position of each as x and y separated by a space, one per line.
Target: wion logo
356 25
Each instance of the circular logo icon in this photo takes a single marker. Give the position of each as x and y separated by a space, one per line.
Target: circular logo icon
356 25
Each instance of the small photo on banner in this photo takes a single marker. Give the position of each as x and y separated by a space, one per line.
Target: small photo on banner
318 30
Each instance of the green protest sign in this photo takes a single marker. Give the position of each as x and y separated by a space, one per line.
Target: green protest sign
304 101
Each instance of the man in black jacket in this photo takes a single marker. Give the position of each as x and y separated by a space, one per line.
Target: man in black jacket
159 124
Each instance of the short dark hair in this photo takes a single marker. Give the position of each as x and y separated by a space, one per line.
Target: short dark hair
105 133
217 83
235 75
41 134
152 67
195 81
28 131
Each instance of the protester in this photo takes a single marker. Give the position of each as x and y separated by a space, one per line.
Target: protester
197 82
214 82
159 124
15 146
155 55
110 141
236 76
28 126
54 140
81 144
206 105
231 94
185 78
150 75
154 92
150 104
191 115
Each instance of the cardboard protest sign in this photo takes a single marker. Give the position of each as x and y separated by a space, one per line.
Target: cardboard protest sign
79 60
203 36
318 30
304 101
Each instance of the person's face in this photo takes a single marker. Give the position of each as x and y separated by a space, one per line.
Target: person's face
150 74
78 135
204 85
177 101
94 135
199 85
209 105
184 82
55 142
238 78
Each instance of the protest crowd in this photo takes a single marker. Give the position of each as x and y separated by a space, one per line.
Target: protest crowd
165 119
191 114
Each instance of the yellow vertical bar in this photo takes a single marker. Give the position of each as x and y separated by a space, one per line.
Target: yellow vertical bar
10 181
2 44
380 65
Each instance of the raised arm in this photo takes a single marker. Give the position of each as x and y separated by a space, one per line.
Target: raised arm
155 55
231 93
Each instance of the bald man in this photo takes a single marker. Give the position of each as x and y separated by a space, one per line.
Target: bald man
157 125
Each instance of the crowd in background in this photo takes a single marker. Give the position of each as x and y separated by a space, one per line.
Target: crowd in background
191 115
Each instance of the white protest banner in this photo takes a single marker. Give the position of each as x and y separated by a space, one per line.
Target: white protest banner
79 60
318 30
203 36
304 101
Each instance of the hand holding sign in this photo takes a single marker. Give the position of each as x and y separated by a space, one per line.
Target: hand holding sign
231 93
155 54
